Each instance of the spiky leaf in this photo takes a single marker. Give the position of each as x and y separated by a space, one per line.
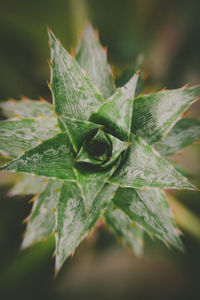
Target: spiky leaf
155 114
116 114
126 231
28 185
73 93
150 209
17 136
52 158
27 108
42 219
144 167
92 58
72 222
184 133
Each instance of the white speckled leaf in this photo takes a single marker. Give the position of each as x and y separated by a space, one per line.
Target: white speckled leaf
155 114
42 218
184 133
73 93
27 108
79 131
72 222
28 185
144 167
92 58
150 209
52 158
17 136
126 231
116 113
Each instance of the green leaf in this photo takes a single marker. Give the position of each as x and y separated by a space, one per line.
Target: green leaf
184 133
92 58
144 167
79 131
41 221
129 234
17 136
116 114
52 158
28 185
73 93
91 181
27 108
72 222
149 209
155 114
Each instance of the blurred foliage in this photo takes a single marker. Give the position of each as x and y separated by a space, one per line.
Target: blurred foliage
167 34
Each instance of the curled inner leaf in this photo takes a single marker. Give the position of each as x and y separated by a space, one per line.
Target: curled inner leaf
101 150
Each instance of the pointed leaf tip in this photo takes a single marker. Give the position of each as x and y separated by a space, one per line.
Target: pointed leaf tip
155 114
144 167
72 222
52 158
120 224
116 113
149 209
74 95
184 133
91 57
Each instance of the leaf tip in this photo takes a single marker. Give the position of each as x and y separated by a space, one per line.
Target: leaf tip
138 72
25 221
73 52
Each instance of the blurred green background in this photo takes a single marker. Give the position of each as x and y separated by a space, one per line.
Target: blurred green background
167 33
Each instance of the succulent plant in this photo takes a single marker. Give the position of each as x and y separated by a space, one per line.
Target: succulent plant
98 152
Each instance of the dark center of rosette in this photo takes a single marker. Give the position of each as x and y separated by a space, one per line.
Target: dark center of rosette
100 149
96 149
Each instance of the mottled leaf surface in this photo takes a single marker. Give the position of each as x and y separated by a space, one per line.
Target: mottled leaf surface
126 231
144 167
155 114
92 58
17 136
42 218
27 108
116 113
74 94
52 158
28 185
150 209
72 222
184 133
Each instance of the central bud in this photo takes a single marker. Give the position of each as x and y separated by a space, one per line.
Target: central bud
100 149
95 150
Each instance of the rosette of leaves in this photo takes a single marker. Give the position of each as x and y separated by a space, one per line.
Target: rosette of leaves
94 151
